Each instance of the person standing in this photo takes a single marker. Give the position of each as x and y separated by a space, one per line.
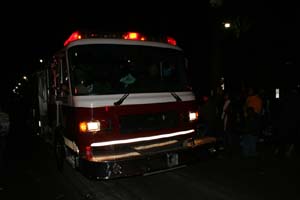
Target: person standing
289 131
250 132
227 119
254 100
4 130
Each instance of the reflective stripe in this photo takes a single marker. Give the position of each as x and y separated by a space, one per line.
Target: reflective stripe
141 139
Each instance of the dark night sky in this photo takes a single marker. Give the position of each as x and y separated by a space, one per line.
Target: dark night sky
41 29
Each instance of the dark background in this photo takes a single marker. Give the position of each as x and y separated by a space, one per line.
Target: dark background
264 53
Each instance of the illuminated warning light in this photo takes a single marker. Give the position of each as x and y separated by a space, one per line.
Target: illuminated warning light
74 36
83 127
133 36
171 41
88 152
277 93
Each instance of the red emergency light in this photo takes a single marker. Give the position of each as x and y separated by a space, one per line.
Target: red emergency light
74 36
171 41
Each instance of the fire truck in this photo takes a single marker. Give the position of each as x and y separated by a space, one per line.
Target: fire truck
120 104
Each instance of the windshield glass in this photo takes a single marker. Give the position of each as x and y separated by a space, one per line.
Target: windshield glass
114 69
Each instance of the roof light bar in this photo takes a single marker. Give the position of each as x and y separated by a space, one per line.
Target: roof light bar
127 36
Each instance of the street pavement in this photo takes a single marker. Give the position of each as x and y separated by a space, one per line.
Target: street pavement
30 173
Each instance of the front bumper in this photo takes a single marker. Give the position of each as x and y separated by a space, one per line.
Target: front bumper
146 162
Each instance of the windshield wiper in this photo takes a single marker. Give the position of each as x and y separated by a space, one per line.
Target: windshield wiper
176 96
120 101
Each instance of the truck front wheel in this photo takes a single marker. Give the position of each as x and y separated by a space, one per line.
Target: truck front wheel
59 150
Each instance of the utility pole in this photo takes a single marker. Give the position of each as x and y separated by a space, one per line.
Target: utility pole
216 59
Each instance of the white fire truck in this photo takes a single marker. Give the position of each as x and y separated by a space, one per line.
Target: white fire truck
120 104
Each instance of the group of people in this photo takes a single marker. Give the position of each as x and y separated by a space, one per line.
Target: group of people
241 119
242 122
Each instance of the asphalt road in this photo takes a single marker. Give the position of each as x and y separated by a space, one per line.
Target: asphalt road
30 173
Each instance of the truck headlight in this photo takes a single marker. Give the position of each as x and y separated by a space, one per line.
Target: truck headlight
193 116
91 126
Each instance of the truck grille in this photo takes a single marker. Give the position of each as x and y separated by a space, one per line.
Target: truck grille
148 122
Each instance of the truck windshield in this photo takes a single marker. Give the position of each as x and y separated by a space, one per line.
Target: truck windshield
113 69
